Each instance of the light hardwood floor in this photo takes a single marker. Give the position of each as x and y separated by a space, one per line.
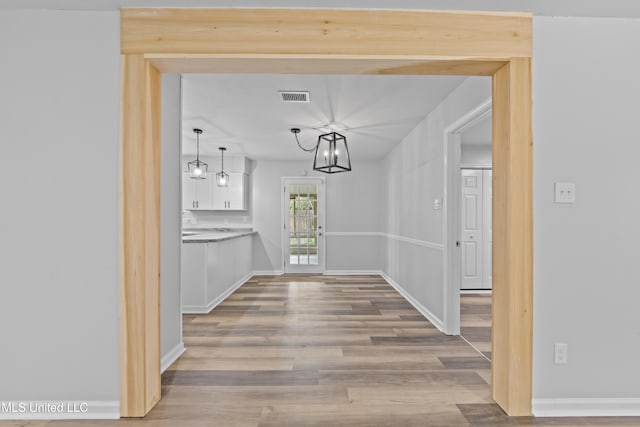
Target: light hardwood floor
325 351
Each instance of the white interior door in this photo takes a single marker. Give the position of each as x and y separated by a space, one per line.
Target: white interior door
487 228
471 229
303 225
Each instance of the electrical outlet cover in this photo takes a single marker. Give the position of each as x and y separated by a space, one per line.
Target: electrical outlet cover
565 192
560 351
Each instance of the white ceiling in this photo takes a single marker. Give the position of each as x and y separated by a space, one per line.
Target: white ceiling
611 8
478 134
245 113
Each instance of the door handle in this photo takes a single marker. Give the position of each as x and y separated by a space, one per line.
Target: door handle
458 243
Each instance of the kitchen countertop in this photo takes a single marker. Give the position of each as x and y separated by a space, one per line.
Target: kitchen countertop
205 236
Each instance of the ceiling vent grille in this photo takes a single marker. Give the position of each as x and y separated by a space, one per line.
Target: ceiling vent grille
294 96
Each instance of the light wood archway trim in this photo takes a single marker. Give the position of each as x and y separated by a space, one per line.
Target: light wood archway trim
512 274
355 33
140 237
332 42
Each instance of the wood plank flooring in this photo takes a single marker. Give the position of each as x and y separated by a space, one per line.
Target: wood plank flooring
475 321
324 351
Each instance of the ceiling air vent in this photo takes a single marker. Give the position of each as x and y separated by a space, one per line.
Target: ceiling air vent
294 95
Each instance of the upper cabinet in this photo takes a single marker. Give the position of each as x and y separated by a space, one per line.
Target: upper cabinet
204 194
196 193
234 196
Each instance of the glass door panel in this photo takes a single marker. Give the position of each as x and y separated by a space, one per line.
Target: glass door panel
303 227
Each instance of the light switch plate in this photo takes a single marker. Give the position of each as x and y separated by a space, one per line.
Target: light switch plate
565 192
437 204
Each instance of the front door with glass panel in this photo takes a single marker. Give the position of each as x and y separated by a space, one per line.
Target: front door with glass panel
303 225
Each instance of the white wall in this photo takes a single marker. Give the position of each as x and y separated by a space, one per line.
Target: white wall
353 205
59 133
475 154
170 222
586 111
413 179
60 233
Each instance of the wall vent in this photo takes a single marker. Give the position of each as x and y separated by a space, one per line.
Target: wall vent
294 95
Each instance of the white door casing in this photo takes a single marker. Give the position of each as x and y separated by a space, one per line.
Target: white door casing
487 227
452 211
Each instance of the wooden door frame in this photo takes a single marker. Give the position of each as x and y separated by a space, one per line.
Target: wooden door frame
303 41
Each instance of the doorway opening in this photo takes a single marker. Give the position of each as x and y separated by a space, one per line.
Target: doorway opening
463 260
475 233
303 213
388 42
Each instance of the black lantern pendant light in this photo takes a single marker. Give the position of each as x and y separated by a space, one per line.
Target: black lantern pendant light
331 152
197 169
222 179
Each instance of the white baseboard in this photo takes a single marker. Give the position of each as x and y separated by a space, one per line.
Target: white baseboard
198 309
605 407
476 292
213 304
327 272
268 272
194 309
60 410
353 272
437 322
171 356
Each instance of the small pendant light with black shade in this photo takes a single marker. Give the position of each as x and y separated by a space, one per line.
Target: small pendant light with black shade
222 178
197 169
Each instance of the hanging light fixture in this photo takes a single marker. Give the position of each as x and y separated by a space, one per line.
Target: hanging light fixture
222 179
331 152
197 169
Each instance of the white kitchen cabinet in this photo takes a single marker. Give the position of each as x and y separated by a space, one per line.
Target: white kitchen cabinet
234 196
196 193
211 271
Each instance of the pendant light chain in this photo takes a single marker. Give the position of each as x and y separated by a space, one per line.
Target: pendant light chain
295 132
198 147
